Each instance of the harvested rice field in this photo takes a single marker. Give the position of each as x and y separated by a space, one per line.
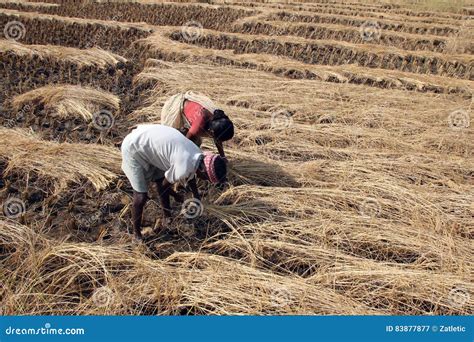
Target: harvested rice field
351 174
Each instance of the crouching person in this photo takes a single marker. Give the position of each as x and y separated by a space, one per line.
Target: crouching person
197 117
161 154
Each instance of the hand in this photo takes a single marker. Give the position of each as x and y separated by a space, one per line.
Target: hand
194 189
166 221
138 235
221 186
177 197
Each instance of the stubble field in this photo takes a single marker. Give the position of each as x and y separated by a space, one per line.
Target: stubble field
351 182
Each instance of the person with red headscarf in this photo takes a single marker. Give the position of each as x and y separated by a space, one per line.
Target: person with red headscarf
164 156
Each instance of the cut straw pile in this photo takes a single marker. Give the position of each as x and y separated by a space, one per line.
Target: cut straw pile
62 163
342 198
43 277
68 101
89 57
352 193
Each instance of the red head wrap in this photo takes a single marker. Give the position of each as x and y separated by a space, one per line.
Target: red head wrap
209 162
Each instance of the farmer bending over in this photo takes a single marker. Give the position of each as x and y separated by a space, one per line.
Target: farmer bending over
161 154
196 116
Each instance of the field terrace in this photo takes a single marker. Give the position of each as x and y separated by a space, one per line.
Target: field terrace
351 184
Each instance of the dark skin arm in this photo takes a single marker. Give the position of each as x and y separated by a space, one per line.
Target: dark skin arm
139 201
220 148
194 188
164 191
165 185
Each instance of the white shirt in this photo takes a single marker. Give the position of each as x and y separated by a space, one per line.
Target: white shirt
163 148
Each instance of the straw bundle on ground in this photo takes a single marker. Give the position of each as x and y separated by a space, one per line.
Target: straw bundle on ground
68 101
350 187
352 238
385 24
89 57
308 111
159 45
154 14
45 277
339 33
323 52
28 67
61 163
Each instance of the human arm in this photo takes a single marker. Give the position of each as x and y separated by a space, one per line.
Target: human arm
194 189
177 197
220 148
164 191
139 201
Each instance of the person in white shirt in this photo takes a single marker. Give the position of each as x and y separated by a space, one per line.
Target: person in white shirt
163 155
